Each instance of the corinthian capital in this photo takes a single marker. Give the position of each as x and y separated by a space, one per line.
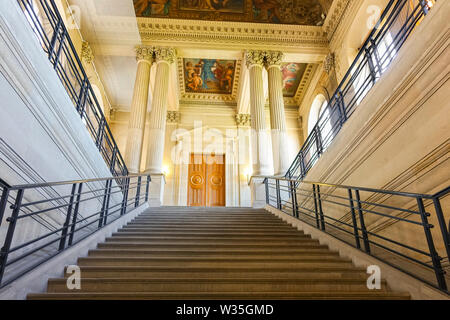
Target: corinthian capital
254 57
144 53
165 54
274 58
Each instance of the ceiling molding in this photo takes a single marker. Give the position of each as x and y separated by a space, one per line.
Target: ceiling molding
235 34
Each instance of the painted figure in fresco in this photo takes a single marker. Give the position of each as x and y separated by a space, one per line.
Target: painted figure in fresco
207 73
146 8
289 73
227 79
263 7
195 82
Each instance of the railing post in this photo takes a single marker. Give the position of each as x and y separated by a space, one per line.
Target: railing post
3 202
371 66
266 184
341 105
294 198
147 188
62 242
433 253
105 216
102 212
424 5
362 223
316 210
10 233
277 182
52 44
75 214
319 201
125 196
318 140
442 225
355 225
138 192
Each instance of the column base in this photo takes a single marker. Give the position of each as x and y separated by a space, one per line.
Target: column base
156 190
258 192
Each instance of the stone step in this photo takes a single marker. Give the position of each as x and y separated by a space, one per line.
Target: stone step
206 224
198 246
177 272
303 295
213 285
212 262
209 254
209 228
217 234
225 240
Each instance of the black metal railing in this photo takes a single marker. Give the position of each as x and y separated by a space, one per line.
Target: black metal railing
38 221
395 25
48 25
395 227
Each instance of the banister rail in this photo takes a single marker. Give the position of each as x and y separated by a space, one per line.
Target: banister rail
52 34
396 23
38 221
398 228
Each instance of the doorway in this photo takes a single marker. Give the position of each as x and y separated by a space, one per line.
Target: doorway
206 180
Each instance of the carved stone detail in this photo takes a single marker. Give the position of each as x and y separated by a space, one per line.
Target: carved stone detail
329 63
144 53
243 119
173 116
254 57
86 53
165 54
273 58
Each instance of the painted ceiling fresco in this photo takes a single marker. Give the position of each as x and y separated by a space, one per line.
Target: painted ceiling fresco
302 12
209 75
292 74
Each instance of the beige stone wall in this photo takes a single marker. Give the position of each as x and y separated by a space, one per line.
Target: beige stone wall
399 137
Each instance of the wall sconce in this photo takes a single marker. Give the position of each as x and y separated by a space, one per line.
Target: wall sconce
165 170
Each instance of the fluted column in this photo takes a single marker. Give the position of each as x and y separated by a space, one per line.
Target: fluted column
164 57
260 152
277 114
136 124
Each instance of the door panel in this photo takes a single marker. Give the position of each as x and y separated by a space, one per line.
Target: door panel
197 181
206 180
215 186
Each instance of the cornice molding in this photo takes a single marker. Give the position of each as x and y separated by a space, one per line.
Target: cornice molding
224 32
334 17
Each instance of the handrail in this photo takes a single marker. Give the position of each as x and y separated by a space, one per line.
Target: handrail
352 214
373 59
64 58
391 192
76 209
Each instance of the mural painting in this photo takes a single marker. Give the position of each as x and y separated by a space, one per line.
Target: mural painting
292 74
302 12
209 75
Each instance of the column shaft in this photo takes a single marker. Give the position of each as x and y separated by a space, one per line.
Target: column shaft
158 119
136 125
278 121
260 154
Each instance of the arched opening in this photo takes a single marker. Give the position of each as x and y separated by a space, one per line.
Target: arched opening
314 112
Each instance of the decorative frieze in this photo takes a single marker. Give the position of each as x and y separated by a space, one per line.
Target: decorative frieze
173 116
243 119
86 53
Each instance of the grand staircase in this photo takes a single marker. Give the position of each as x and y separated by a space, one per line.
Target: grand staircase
214 253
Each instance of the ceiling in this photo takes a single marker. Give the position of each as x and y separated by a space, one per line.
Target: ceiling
302 12
113 31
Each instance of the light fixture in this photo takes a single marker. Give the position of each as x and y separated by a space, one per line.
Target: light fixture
165 170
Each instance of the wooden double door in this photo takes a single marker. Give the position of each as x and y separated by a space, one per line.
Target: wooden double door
206 180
